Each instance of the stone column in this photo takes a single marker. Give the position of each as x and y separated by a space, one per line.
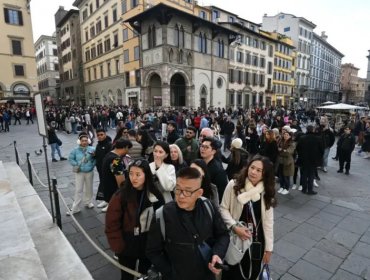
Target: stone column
166 95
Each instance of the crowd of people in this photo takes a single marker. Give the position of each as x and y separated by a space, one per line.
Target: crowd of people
16 113
175 183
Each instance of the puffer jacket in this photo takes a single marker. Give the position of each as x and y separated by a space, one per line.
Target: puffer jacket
76 158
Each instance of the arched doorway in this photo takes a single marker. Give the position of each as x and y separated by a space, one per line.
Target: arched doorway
155 91
203 97
178 96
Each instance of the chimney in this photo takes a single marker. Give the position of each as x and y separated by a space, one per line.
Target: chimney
324 36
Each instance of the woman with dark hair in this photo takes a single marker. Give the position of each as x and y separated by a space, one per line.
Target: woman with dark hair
163 171
237 159
252 140
121 133
144 138
251 199
129 217
285 161
209 189
269 147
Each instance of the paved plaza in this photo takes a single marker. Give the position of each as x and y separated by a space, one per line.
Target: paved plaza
326 236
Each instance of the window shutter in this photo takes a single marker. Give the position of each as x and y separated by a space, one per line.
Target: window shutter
6 15
20 18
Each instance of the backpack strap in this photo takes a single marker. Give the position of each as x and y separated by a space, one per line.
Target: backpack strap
159 218
208 206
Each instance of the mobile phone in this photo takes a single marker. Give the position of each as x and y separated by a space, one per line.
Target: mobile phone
221 266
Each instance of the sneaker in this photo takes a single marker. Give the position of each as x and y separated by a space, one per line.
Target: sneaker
72 212
102 204
366 156
63 158
284 192
280 190
325 169
54 160
90 205
294 187
347 172
105 209
340 171
300 188
315 183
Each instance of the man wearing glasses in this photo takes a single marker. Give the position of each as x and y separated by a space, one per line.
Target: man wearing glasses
208 152
189 145
188 224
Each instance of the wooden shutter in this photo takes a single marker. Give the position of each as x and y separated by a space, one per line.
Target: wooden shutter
6 15
20 18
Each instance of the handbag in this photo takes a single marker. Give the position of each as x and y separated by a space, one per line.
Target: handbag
237 247
265 273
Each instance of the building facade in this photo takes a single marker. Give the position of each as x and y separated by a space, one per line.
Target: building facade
47 67
101 41
325 72
68 37
184 58
300 30
132 63
250 61
18 77
283 82
348 82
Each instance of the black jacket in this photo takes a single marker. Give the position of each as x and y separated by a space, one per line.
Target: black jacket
172 137
102 148
218 175
346 142
178 257
310 150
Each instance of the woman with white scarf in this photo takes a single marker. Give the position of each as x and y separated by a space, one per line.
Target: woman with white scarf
251 198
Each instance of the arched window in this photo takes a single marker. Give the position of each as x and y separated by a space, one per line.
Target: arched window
220 48
202 43
182 37
177 35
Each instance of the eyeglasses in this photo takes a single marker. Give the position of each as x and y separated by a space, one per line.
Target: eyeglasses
184 192
205 147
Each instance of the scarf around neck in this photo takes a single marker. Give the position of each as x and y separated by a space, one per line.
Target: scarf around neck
251 193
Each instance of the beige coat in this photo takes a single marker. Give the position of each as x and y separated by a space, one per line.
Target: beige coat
231 209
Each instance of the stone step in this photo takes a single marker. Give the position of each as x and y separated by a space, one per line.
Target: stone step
19 258
58 257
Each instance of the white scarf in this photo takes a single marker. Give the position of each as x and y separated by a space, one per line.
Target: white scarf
251 193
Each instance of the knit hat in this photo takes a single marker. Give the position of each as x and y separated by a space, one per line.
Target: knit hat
237 143
286 128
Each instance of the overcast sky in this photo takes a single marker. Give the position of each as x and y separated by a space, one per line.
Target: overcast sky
347 23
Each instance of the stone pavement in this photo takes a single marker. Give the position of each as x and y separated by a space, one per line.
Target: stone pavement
326 236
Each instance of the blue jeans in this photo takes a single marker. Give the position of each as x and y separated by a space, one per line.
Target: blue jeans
325 157
55 147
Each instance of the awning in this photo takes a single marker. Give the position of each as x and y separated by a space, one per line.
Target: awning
21 101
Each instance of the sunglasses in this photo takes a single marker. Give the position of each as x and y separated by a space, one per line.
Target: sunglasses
137 163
